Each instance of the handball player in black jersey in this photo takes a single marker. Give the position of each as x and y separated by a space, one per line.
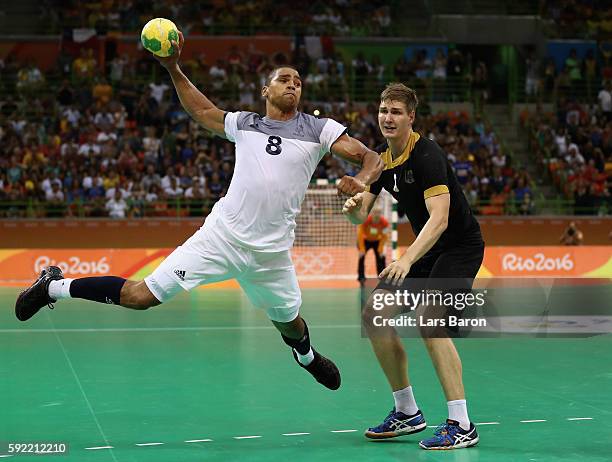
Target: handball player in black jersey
448 246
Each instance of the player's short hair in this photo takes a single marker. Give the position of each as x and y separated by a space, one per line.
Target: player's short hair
272 73
396 91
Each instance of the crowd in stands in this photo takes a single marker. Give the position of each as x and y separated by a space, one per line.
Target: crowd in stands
574 146
576 18
102 145
337 18
579 77
492 185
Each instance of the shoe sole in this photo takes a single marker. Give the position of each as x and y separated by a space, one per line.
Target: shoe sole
467 444
19 312
388 435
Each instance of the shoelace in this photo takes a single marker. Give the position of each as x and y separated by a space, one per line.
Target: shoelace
50 303
393 411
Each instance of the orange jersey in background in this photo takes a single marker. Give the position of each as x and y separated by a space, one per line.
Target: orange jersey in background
371 231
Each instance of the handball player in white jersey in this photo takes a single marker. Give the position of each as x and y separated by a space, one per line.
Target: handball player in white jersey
250 231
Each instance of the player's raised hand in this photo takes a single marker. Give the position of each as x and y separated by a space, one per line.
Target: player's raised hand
349 186
396 272
352 203
170 61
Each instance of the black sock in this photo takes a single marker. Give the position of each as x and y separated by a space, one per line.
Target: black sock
103 289
302 345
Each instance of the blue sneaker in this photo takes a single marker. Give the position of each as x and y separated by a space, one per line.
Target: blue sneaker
397 424
451 436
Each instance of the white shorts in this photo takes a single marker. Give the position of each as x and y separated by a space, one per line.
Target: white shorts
268 278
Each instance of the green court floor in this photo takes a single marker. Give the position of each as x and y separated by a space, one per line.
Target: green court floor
208 367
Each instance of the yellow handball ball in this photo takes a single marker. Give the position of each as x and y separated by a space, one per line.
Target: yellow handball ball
156 36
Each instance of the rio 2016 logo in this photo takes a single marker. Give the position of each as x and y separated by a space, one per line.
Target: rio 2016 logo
539 262
74 265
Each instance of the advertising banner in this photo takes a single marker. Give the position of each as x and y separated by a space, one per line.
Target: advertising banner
318 263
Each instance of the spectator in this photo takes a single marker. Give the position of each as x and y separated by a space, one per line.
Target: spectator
361 70
521 190
173 190
158 90
84 67
571 235
605 101
439 75
532 75
526 207
102 92
55 200
116 206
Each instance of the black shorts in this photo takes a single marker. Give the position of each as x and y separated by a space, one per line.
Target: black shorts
459 262
371 245
451 270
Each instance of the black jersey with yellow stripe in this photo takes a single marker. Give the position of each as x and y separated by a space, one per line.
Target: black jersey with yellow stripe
421 171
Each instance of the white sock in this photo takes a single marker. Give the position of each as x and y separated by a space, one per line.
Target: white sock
457 410
306 359
60 289
404 401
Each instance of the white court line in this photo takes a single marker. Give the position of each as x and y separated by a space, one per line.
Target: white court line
7 455
163 329
78 381
205 440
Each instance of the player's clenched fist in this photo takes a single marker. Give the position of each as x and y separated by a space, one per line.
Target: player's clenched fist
352 203
349 186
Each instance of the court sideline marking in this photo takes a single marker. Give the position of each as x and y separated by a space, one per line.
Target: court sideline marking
78 381
249 437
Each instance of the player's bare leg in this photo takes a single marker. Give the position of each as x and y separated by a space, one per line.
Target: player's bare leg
446 360
405 418
295 334
458 431
136 295
387 345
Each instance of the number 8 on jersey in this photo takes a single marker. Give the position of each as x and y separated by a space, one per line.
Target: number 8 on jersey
274 145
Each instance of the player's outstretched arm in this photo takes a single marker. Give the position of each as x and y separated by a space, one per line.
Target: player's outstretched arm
198 106
357 153
358 207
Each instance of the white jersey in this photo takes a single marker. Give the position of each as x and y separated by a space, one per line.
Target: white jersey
275 161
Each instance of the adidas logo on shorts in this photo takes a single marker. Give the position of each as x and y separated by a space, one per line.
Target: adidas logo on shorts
180 274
